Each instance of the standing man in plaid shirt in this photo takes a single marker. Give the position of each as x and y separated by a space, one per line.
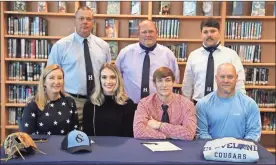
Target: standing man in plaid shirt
165 114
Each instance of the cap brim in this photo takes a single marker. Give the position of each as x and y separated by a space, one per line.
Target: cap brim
79 148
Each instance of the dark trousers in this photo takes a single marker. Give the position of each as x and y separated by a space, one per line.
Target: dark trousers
194 101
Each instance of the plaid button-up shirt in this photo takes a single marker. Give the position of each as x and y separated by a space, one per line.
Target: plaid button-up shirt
181 114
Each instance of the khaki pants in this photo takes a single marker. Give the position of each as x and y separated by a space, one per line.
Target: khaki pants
79 103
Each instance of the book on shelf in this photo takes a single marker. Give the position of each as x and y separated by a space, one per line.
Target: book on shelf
165 7
21 93
25 71
189 8
113 7
19 6
62 7
179 50
92 5
248 53
94 29
268 120
12 116
264 98
274 13
111 28
244 30
42 6
176 90
237 8
183 52
28 48
135 8
258 8
133 28
15 115
167 28
207 8
35 26
113 46
256 76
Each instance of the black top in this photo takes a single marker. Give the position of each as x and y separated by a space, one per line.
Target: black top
111 119
58 117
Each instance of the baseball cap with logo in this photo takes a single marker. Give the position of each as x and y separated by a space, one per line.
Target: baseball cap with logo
76 141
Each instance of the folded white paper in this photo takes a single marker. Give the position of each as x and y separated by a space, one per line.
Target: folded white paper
161 146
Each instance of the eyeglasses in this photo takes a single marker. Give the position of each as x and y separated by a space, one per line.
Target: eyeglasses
88 19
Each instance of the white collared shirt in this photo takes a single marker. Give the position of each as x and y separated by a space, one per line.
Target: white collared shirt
193 86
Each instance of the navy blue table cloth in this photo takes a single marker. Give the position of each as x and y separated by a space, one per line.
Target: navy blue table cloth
120 150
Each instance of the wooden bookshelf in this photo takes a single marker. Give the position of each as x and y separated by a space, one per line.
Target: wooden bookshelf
259 64
260 87
2 48
182 63
268 132
251 17
183 17
189 33
268 110
177 86
40 14
270 149
251 41
22 82
12 127
34 37
124 16
178 40
120 39
121 16
15 104
26 59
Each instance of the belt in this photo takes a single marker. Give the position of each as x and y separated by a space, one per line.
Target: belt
78 96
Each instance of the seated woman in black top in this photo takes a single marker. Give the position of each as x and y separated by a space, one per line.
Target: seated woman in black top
49 112
109 112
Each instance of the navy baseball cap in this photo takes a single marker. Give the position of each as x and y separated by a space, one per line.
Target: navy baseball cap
76 141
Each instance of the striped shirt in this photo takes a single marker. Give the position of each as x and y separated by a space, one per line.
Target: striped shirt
181 115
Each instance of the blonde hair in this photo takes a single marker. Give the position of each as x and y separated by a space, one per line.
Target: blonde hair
41 97
120 96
